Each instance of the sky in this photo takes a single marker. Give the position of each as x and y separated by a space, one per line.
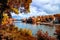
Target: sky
41 7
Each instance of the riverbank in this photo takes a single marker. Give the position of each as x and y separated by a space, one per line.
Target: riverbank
43 23
43 20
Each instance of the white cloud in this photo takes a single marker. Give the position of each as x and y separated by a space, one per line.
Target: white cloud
13 14
33 12
56 2
40 2
42 7
50 5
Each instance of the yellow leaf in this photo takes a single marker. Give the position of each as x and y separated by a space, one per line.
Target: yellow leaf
15 10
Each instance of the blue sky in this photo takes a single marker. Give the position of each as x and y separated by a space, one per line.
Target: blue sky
41 7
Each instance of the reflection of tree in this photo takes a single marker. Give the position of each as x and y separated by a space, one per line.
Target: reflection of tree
58 31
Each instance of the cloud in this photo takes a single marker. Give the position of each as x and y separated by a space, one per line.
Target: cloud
34 12
42 7
49 6
40 2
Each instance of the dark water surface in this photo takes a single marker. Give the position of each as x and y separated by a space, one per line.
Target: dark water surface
35 28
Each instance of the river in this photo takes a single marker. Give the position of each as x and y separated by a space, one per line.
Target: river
35 28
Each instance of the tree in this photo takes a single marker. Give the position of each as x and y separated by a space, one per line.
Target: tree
13 5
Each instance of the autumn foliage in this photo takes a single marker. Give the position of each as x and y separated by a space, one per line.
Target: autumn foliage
20 3
13 33
44 36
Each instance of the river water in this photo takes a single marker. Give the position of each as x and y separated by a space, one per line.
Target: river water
35 28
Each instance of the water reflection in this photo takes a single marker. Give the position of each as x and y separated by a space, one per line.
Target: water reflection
57 31
35 28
